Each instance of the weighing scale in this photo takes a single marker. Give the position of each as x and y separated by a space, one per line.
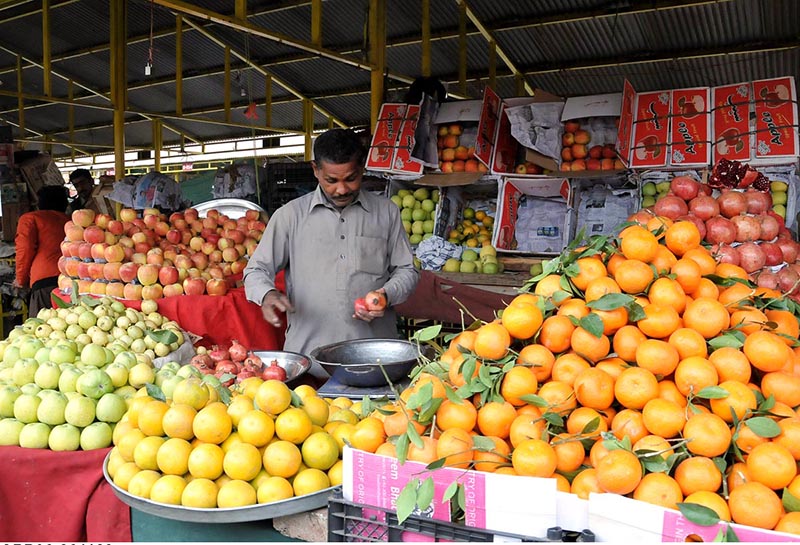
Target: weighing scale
335 388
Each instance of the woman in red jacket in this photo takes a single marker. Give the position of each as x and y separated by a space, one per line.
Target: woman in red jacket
38 245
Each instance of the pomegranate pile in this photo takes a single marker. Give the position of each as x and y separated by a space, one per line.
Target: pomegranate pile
235 363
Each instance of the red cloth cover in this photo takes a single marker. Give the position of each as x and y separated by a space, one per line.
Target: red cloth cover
220 319
438 299
59 496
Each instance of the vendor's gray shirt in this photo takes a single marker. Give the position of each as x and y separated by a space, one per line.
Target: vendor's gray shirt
332 257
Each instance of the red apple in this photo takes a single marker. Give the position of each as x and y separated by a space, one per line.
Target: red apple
579 151
609 152
571 126
132 292
167 275
252 215
111 270
582 137
190 215
200 260
147 274
194 286
161 228
97 288
578 164
83 217
102 220
567 139
593 164
139 258
196 243
83 286
98 251
95 270
215 256
153 291
172 290
94 234
127 214
174 236
238 266
154 258
85 251
596 152
607 164
73 231
116 290
71 267
223 243
126 242
216 286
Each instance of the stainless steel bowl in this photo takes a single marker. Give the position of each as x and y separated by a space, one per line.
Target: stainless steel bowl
358 362
295 365
233 208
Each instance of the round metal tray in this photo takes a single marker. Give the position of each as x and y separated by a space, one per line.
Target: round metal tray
233 208
262 511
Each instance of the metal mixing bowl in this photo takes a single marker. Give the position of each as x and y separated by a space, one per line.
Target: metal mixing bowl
358 362
295 365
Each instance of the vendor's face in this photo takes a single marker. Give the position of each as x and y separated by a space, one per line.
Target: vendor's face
83 186
340 182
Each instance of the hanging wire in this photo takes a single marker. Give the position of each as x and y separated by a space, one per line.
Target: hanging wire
252 118
150 49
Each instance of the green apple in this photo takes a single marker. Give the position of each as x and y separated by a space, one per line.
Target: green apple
427 226
63 352
29 347
10 428
34 435
469 255
428 205
418 214
403 193
452 265
536 269
662 187
110 408
778 186
415 239
435 195
31 388
8 395
779 197
95 436
398 200
64 437
648 201
94 383
68 380
468 266
51 409
490 268
24 371
649 189
11 355
126 358
25 408
780 210
47 375
409 201
80 411
422 193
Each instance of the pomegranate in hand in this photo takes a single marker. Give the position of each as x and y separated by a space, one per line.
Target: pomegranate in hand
375 300
360 305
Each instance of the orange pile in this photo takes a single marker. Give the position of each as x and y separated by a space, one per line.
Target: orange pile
667 398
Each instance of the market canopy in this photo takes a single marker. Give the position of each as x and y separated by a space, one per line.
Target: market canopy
219 69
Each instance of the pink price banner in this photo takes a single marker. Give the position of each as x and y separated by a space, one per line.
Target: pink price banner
776 118
691 127
731 122
677 528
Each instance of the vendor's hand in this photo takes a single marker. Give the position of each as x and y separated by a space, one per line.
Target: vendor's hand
273 303
366 315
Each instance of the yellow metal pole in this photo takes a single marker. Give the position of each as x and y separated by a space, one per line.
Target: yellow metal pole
493 64
377 41
462 48
71 117
316 22
119 78
308 126
426 37
48 76
20 100
179 64
157 144
227 84
240 10
519 83
268 100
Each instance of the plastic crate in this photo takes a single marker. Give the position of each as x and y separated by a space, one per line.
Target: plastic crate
348 522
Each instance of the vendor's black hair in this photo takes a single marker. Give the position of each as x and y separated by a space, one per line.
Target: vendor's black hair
425 85
339 146
80 174
53 197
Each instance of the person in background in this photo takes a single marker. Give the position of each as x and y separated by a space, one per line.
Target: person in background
38 246
334 244
82 181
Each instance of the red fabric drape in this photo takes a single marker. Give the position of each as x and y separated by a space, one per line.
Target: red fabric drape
58 496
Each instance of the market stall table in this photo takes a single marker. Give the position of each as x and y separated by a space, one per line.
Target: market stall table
218 319
58 496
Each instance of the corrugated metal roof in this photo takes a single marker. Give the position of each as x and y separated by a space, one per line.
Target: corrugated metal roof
569 47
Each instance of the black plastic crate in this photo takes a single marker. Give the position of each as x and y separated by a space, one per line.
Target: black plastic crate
347 522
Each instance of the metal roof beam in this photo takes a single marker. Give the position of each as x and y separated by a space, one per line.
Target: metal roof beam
245 26
275 79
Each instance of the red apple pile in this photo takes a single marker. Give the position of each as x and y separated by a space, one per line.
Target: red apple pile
235 363
741 228
577 155
455 153
156 256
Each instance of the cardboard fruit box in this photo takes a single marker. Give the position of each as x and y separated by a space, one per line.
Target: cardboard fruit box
479 196
756 121
534 216
418 207
602 204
